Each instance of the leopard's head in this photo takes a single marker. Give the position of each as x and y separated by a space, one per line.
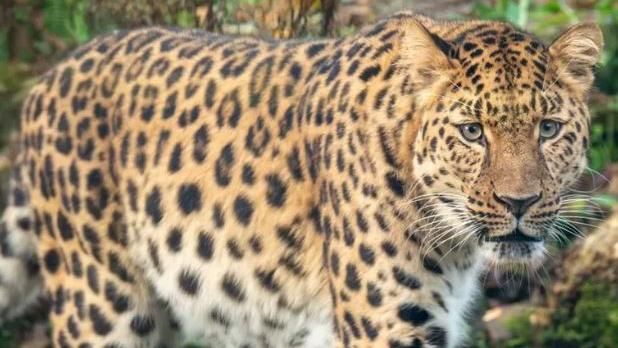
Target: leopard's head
501 131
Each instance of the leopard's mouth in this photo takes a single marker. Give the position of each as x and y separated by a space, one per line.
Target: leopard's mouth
514 248
515 236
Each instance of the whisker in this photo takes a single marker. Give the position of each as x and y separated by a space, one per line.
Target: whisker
598 174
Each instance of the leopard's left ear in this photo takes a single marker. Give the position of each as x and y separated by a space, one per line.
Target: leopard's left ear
424 56
574 54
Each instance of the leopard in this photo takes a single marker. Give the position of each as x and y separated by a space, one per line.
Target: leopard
176 186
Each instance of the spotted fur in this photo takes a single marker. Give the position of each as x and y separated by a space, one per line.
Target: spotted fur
251 193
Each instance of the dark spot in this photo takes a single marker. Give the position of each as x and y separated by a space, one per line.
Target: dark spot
471 70
94 179
432 265
24 223
153 205
256 244
217 215
352 279
295 165
248 174
315 49
120 302
92 277
205 246
436 336
200 143
223 165
374 295
349 319
76 264
189 282
86 65
231 287
267 280
101 325
118 268
370 73
234 249
52 260
361 221
243 210
73 327
189 198
209 95
276 191
169 108
469 46
370 328
406 279
413 314
142 325
334 263
395 184
296 71
174 240
64 227
66 79
366 253
289 237
174 76
175 159
389 248
218 317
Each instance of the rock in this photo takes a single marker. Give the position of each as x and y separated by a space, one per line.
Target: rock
37 337
594 258
496 319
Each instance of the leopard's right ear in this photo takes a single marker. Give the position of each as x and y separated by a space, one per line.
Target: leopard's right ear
575 53
425 57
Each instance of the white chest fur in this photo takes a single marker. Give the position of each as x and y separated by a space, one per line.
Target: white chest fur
310 327
459 300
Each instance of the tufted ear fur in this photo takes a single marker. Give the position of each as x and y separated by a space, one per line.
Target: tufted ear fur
424 56
574 54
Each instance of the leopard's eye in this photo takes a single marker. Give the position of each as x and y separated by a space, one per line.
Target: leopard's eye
471 131
549 129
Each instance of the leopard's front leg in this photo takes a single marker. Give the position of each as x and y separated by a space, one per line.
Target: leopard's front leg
384 292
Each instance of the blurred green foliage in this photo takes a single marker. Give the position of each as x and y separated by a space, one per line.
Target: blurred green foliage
590 322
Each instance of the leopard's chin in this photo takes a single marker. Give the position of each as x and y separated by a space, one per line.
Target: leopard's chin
514 249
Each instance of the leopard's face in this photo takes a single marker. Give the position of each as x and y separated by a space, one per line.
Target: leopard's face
500 145
501 177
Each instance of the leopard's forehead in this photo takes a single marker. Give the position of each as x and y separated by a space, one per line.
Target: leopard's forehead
496 57
504 75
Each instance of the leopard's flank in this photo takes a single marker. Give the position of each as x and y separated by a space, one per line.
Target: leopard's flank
180 185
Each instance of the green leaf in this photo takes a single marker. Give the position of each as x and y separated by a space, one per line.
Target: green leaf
185 19
512 12
80 30
56 14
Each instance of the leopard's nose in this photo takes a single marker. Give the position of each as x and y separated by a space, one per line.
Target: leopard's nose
519 205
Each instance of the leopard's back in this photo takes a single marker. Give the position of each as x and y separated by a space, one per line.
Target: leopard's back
163 159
